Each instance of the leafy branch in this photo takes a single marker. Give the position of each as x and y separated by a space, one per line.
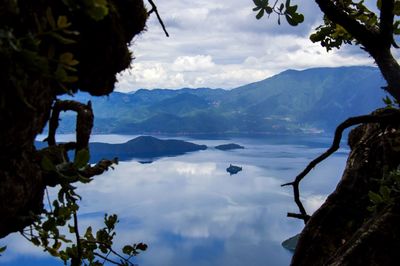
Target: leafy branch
93 248
287 10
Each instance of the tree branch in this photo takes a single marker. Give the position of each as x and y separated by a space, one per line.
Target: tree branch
386 23
106 258
78 242
154 9
367 37
386 116
99 168
84 122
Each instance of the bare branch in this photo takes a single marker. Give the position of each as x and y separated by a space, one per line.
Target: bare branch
84 122
78 242
385 116
106 258
298 216
154 9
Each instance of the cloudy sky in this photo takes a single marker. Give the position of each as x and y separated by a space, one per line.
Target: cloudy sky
220 44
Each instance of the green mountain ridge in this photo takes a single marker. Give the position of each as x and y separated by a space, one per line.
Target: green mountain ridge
311 100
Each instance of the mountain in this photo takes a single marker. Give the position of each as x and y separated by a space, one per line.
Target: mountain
293 101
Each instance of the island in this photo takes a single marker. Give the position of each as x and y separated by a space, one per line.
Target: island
144 148
230 146
233 169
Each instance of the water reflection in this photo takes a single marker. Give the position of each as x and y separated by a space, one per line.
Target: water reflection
192 212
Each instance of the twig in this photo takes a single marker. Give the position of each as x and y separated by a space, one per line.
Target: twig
105 258
386 117
48 200
78 240
154 9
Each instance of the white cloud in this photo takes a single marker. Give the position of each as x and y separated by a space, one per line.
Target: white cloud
193 63
221 44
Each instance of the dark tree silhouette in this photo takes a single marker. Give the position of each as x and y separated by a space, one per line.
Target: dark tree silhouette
358 223
49 48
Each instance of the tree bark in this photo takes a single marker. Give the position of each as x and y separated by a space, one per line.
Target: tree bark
343 231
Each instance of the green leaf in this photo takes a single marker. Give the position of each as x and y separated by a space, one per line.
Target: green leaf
82 158
385 192
371 208
387 100
97 9
61 39
141 246
68 59
375 198
71 229
127 249
35 241
2 249
62 22
71 79
84 180
50 18
47 164
258 3
379 4
260 14
57 245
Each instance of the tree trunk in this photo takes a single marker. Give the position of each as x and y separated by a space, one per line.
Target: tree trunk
343 231
29 86
21 183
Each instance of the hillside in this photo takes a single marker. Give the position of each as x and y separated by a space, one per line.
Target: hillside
145 147
311 100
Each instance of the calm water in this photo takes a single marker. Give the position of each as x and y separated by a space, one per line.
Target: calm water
190 211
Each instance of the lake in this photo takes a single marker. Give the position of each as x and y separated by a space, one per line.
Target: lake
190 211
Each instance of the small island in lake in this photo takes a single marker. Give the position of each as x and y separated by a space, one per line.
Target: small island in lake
230 146
233 169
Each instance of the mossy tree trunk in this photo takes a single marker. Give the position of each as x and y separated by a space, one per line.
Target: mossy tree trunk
35 38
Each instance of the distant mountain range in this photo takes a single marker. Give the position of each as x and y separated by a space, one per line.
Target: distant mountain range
313 100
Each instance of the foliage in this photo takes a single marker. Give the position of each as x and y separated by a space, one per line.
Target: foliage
389 190
48 229
333 34
287 10
390 103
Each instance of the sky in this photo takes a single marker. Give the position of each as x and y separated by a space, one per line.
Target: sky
220 44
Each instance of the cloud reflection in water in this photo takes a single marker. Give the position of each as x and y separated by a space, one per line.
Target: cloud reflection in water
192 212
